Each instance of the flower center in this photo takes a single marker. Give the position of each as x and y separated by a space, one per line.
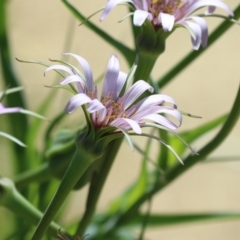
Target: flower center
117 111
164 6
114 109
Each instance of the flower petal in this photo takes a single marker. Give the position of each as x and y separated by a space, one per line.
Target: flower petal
174 112
101 117
76 102
139 17
155 99
95 105
59 67
211 9
197 38
167 21
72 78
127 123
110 5
87 70
111 78
212 3
162 121
122 77
204 29
134 92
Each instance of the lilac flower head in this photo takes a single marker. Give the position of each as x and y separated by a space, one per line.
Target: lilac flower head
113 108
167 14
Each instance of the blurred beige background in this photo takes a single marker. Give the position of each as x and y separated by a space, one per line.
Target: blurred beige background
39 30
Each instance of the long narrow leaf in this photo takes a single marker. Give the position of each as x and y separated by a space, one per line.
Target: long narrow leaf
171 219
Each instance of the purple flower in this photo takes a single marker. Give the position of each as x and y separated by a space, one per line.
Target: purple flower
115 108
168 14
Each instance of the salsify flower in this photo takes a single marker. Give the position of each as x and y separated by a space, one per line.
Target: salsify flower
113 109
118 109
168 14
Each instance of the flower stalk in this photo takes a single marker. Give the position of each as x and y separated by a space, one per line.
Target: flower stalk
150 45
97 184
15 202
82 159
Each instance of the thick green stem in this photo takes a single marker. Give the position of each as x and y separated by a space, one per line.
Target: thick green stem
82 159
151 44
15 202
97 184
218 32
177 170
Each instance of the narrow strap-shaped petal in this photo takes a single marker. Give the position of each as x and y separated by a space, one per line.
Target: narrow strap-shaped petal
210 9
122 77
59 67
95 105
139 115
87 70
155 99
72 78
111 78
134 92
127 123
102 114
145 5
110 5
195 28
139 17
139 4
174 112
203 3
76 102
162 121
167 21
204 29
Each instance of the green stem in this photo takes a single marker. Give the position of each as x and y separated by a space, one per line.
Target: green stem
97 184
82 159
177 170
145 64
174 71
163 154
14 201
151 44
